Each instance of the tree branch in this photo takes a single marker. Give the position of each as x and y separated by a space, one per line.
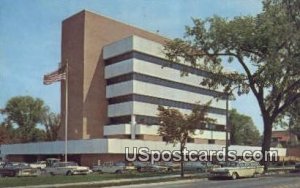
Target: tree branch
287 103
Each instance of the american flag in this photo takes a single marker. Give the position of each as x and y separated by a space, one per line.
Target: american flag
55 76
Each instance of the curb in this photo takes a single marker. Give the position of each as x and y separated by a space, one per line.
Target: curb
113 181
159 183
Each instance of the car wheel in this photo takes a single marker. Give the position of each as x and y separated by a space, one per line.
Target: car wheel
255 175
100 171
69 173
52 174
139 169
119 172
234 176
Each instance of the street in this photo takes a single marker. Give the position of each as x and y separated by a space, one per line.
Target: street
276 181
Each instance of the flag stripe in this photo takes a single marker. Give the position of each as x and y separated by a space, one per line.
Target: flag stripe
55 76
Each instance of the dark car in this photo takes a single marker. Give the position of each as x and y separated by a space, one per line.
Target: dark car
18 169
297 167
171 167
148 167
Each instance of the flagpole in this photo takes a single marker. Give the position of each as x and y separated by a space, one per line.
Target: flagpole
66 113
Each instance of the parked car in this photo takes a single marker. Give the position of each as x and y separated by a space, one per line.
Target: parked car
39 164
118 168
238 169
2 163
170 166
12 169
149 167
297 167
67 168
209 166
194 166
51 161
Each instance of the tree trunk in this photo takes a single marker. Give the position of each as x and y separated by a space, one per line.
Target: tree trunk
266 144
181 161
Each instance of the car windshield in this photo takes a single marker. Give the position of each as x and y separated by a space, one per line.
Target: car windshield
71 164
138 163
64 164
40 162
119 164
241 164
194 163
231 164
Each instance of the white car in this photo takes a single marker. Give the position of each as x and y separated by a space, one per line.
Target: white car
67 168
238 169
39 165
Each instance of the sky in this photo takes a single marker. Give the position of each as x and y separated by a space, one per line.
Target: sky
30 37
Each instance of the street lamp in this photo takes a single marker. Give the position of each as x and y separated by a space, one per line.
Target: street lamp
228 94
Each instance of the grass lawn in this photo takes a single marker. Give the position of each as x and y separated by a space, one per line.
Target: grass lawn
41 180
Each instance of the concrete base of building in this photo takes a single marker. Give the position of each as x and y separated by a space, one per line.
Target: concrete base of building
93 151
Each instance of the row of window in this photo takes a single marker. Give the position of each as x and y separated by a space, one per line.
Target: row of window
190 140
209 141
156 60
146 120
160 101
162 82
149 120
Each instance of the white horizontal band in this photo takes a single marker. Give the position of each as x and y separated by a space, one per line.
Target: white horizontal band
113 146
151 69
153 90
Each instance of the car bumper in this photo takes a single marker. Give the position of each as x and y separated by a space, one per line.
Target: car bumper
80 172
220 175
27 174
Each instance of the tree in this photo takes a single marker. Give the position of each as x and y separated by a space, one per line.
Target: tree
4 134
265 46
176 128
52 125
242 129
25 112
293 114
291 120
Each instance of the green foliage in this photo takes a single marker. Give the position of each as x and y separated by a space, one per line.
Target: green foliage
242 129
24 111
28 134
6 133
176 127
267 48
22 115
293 120
52 124
295 117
